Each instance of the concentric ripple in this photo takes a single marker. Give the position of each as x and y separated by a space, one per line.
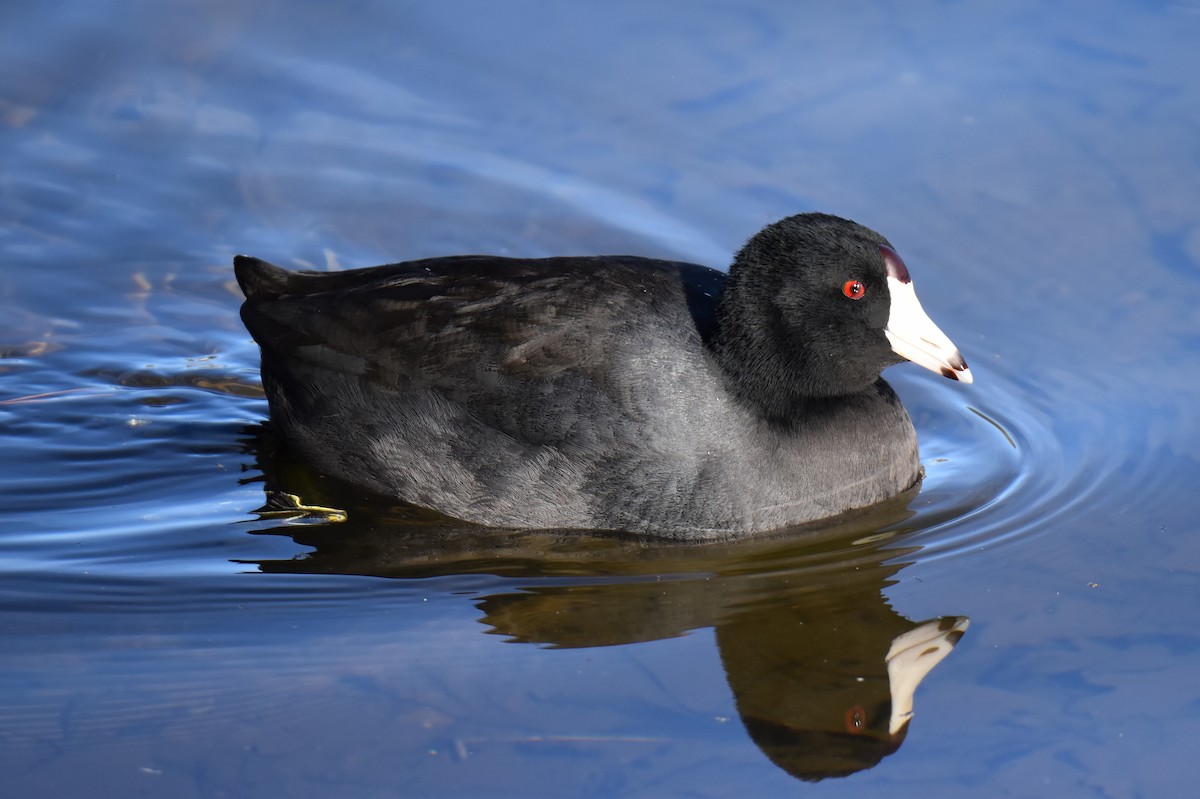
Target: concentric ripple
1000 464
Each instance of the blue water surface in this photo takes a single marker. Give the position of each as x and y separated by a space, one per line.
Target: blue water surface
172 626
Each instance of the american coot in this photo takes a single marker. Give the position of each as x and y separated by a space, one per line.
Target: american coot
607 393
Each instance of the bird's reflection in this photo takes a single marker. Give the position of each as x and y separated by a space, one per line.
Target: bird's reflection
822 669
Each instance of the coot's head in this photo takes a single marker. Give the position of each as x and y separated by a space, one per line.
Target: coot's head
833 303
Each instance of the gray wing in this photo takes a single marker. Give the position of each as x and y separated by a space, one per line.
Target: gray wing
537 349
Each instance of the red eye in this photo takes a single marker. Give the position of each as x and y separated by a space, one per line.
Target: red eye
856 720
854 289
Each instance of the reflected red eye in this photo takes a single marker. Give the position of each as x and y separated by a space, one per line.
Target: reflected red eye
854 289
856 720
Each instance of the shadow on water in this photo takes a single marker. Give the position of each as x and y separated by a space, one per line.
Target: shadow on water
822 669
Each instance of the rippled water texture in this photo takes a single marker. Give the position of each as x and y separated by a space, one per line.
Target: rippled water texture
188 612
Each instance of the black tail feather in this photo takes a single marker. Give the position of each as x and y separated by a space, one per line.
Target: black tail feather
258 278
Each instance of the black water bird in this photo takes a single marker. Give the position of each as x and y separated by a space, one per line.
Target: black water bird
607 393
